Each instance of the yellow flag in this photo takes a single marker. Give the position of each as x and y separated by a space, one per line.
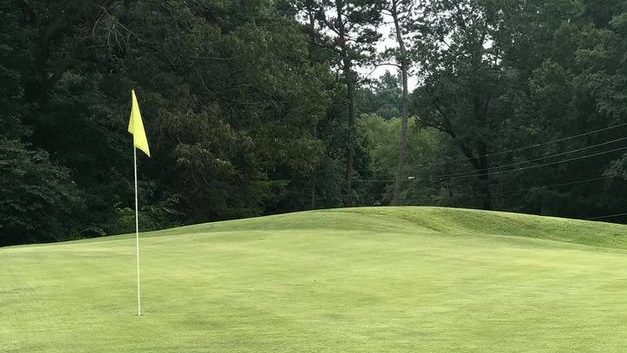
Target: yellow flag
136 127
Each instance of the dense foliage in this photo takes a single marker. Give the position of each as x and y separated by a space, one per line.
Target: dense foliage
258 107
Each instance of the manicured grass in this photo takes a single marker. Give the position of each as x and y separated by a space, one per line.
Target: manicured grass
353 280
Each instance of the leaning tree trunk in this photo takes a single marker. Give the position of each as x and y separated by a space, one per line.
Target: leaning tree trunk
402 153
351 141
349 76
404 66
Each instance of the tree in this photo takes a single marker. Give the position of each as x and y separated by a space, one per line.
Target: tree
381 97
39 200
423 145
463 61
477 58
351 30
229 96
403 18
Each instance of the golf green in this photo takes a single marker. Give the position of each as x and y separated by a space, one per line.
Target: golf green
337 281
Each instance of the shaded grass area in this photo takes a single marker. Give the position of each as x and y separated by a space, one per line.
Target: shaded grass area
352 280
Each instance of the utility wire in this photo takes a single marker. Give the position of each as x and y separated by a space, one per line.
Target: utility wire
554 185
474 175
526 148
550 186
539 158
509 192
375 181
579 182
607 217
443 161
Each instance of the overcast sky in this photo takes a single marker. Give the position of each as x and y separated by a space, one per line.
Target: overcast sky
386 42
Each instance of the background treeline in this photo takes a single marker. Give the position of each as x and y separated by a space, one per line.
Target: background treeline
262 106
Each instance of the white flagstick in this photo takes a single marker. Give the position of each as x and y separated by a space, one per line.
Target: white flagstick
139 310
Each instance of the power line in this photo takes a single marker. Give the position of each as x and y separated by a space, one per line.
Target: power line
578 182
509 192
374 181
552 186
541 158
524 148
473 175
607 217
521 149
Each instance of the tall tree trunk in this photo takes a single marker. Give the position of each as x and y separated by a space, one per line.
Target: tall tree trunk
404 67
314 177
349 76
311 15
351 139
484 177
402 151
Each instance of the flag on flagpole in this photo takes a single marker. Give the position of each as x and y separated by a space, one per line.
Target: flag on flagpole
136 127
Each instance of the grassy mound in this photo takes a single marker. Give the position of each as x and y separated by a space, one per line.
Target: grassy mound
351 280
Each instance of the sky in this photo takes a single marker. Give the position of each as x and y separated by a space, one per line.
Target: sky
387 41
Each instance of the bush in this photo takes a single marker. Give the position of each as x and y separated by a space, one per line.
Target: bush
39 198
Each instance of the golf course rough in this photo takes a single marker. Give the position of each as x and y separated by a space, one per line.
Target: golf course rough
337 281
